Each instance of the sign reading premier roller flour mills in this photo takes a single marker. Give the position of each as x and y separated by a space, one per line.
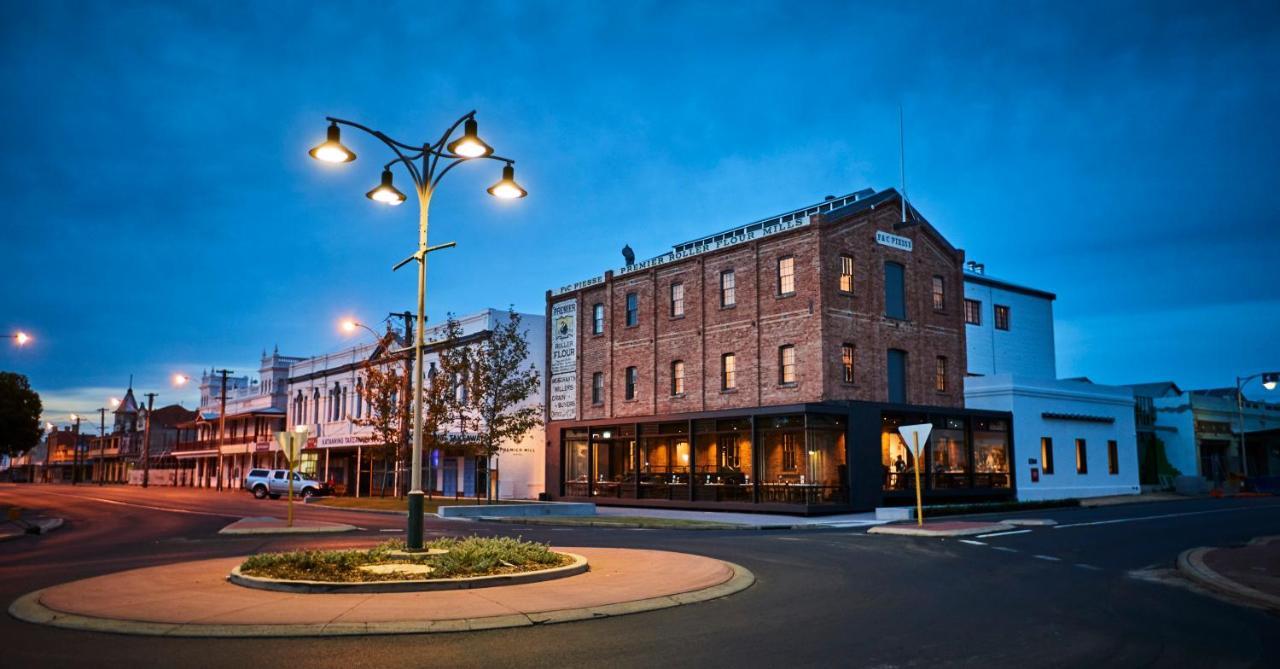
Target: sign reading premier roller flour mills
564 360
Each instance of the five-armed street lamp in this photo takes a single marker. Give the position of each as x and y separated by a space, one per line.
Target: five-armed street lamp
425 176
1269 381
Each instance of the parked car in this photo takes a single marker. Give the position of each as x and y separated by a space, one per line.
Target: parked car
275 482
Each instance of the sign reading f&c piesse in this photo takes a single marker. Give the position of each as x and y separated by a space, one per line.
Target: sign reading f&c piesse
893 241
563 404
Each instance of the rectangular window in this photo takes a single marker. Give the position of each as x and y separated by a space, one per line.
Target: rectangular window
633 309
1046 454
787 276
846 362
897 375
1082 457
939 294
677 299
597 319
597 388
632 377
677 377
1002 317
973 312
787 364
728 295
940 375
728 372
846 274
895 300
1113 457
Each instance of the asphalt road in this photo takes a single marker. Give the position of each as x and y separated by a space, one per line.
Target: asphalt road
1094 591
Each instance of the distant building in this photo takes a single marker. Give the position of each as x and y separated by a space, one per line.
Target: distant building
1077 438
1198 432
255 411
325 395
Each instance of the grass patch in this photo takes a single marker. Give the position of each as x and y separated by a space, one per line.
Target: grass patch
624 521
472 556
402 504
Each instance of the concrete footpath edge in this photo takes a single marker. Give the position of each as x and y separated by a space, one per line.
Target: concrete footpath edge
1192 565
578 566
41 525
28 608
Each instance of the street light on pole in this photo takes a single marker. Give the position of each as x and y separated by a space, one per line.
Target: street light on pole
21 338
1269 381
425 177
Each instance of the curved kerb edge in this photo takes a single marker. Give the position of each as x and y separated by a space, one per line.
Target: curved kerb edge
29 609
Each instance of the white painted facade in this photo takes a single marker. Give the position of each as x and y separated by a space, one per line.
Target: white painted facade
1200 432
1063 412
1026 348
323 395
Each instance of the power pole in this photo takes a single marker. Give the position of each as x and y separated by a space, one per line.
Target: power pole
222 422
146 441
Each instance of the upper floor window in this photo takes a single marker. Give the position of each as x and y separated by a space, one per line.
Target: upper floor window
972 312
1002 317
846 362
846 274
633 377
940 375
786 276
677 299
597 319
597 388
677 377
633 309
786 364
728 293
728 372
895 300
939 294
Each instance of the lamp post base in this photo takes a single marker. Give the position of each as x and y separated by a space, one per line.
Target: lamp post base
414 532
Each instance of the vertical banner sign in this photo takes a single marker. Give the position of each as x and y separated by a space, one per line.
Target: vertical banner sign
564 360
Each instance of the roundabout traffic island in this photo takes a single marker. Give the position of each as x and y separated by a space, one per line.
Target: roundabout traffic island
200 599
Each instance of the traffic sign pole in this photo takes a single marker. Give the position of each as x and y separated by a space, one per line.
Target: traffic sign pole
915 436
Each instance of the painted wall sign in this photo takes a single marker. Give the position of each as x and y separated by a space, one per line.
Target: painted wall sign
893 241
564 337
564 397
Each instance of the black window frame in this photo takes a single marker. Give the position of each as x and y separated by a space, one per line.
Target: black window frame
597 389
1082 456
972 316
631 380
1046 455
1001 317
597 318
1113 457
848 358
938 293
632 305
677 313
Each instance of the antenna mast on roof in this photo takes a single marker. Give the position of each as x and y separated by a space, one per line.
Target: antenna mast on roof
902 164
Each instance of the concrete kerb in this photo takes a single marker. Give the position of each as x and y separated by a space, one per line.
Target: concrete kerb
578 566
304 527
1191 564
41 525
29 609
927 531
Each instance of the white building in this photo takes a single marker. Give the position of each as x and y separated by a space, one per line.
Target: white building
324 395
1072 438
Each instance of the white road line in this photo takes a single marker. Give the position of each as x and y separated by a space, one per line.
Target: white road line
1047 557
1166 515
394 529
971 542
1088 566
1005 549
145 506
1002 534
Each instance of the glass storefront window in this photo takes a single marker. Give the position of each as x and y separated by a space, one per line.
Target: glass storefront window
896 457
614 472
802 466
991 453
949 466
666 461
722 461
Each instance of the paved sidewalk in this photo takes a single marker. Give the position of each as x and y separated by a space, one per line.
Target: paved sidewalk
754 520
195 599
1249 573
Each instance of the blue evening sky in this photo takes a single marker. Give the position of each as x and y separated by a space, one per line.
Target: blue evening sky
160 213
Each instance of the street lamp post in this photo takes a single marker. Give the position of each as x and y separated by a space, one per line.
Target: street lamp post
1269 381
425 177
146 441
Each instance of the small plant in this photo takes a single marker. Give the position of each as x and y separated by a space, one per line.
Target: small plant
470 556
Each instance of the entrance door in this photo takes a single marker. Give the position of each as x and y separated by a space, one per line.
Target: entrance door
450 474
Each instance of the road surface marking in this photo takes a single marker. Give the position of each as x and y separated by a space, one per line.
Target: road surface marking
145 506
1047 557
1088 566
972 542
394 529
1003 548
1002 534
1165 515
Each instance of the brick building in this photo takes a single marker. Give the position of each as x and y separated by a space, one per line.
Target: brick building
734 370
